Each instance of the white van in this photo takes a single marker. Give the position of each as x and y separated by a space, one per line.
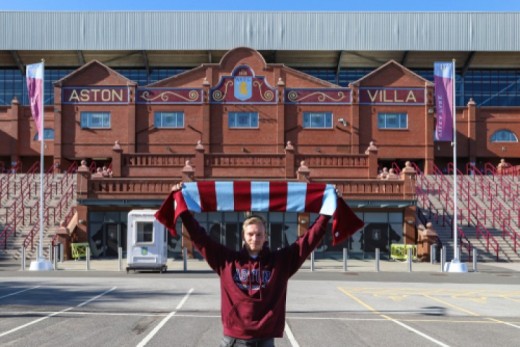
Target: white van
147 242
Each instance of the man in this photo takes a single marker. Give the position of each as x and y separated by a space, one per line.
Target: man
253 280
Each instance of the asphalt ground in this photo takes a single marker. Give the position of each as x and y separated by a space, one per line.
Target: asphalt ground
325 307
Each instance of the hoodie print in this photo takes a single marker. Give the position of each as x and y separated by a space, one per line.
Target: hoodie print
251 280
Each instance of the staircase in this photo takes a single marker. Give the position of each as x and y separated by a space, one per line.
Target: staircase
20 211
488 213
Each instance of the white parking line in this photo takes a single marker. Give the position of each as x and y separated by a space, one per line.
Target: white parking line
373 310
163 322
18 292
55 313
290 336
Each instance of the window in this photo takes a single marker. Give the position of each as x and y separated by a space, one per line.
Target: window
48 134
243 120
504 136
95 120
144 232
317 120
392 121
169 120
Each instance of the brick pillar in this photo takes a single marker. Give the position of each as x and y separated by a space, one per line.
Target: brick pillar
83 178
408 174
354 120
371 151
429 127
304 173
117 160
280 113
188 175
198 162
409 225
472 131
14 118
289 161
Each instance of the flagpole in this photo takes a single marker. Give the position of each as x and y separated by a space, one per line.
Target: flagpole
455 265
41 264
42 166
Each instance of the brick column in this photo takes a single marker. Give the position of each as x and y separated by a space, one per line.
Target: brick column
117 160
472 131
289 161
371 151
188 175
198 162
304 173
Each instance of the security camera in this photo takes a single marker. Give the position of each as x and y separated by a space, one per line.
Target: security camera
342 121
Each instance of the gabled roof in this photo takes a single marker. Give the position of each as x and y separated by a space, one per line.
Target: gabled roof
385 66
88 66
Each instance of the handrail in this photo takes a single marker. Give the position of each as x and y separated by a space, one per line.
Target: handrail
490 169
512 234
416 168
5 234
482 230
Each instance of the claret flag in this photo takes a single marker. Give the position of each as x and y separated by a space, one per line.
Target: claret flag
444 81
34 76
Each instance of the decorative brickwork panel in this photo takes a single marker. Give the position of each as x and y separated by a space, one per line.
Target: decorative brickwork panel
169 96
243 87
319 96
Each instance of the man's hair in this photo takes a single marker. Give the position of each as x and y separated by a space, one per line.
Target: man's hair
254 219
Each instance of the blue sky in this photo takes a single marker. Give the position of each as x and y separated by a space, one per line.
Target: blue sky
259 5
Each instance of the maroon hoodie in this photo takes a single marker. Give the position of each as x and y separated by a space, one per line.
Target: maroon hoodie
253 291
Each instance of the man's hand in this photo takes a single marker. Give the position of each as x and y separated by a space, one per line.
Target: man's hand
176 187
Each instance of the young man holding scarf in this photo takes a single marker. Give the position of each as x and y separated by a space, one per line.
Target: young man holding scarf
253 280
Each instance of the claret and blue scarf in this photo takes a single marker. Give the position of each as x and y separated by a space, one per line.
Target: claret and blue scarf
241 196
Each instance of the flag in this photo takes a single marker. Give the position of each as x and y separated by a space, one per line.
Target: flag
208 196
444 78
34 77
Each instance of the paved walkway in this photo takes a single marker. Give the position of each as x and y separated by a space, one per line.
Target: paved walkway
320 265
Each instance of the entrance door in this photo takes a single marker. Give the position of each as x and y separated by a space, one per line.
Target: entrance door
108 239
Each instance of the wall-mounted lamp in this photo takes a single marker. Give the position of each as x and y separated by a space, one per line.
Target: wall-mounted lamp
410 221
82 222
342 121
431 110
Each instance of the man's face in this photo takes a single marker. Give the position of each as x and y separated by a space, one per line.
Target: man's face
254 238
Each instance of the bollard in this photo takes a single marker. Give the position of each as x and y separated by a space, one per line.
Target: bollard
409 259
87 258
120 258
443 257
312 261
475 256
55 257
23 258
377 259
185 258
345 257
433 254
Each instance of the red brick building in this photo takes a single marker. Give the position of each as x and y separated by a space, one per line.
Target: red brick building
244 118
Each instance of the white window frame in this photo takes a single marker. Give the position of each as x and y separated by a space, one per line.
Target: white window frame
160 117
90 120
312 119
235 117
387 122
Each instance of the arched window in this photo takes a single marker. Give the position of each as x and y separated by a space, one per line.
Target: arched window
504 135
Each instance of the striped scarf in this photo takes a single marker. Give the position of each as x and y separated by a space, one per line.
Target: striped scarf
240 196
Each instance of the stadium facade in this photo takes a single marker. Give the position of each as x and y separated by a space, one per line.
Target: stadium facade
313 96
